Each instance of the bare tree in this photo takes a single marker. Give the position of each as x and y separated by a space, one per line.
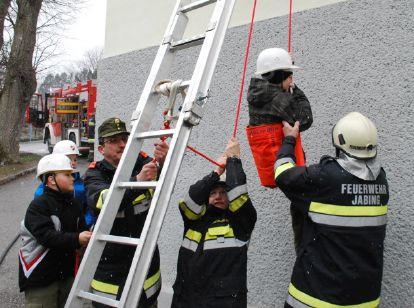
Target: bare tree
90 61
4 7
83 70
20 80
23 25
54 17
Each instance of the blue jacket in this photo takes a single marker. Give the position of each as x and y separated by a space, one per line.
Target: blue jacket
79 194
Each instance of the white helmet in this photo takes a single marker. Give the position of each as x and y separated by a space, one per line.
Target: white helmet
53 163
356 136
273 59
65 147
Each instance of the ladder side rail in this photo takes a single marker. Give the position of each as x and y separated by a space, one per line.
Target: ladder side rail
171 23
155 217
201 79
159 70
95 247
220 20
108 213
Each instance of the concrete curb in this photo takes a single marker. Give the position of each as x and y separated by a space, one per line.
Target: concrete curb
17 175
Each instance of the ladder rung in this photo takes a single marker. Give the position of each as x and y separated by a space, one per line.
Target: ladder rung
196 5
119 239
98 299
155 134
190 42
138 185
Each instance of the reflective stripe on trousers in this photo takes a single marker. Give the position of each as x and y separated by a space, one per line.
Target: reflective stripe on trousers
223 242
151 286
299 299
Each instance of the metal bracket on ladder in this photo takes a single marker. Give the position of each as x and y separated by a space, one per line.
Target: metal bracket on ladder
190 115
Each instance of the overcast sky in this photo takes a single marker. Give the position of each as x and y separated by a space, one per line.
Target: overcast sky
86 32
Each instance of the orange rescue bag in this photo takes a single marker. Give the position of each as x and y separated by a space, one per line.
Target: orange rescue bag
265 141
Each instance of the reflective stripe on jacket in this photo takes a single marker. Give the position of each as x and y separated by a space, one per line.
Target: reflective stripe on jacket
340 260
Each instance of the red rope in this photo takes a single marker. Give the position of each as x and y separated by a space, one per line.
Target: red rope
205 156
236 123
290 28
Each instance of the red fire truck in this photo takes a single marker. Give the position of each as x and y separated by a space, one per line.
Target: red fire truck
70 112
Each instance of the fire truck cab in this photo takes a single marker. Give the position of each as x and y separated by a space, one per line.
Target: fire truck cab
70 112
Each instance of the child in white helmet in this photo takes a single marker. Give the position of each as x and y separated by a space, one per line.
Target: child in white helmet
274 98
51 232
69 148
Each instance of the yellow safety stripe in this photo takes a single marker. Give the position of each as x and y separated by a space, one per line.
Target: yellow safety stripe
237 203
283 168
314 302
219 230
139 199
101 198
104 287
193 235
150 281
113 289
188 213
356 210
215 232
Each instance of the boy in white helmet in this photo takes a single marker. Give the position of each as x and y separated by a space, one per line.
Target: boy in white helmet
274 98
69 148
51 232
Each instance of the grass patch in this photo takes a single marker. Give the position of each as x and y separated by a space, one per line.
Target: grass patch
26 160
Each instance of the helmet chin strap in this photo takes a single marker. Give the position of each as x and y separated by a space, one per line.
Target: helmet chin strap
54 177
337 152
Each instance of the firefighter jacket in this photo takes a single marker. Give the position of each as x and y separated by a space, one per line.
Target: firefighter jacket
116 259
50 236
268 103
212 261
340 260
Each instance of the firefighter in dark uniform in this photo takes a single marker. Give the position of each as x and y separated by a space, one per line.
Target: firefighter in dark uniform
116 259
344 200
218 221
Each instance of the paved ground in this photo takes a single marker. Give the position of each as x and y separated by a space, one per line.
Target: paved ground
37 147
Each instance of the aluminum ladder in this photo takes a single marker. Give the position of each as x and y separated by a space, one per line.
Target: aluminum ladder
190 115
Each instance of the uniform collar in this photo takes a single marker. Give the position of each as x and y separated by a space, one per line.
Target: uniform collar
367 170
